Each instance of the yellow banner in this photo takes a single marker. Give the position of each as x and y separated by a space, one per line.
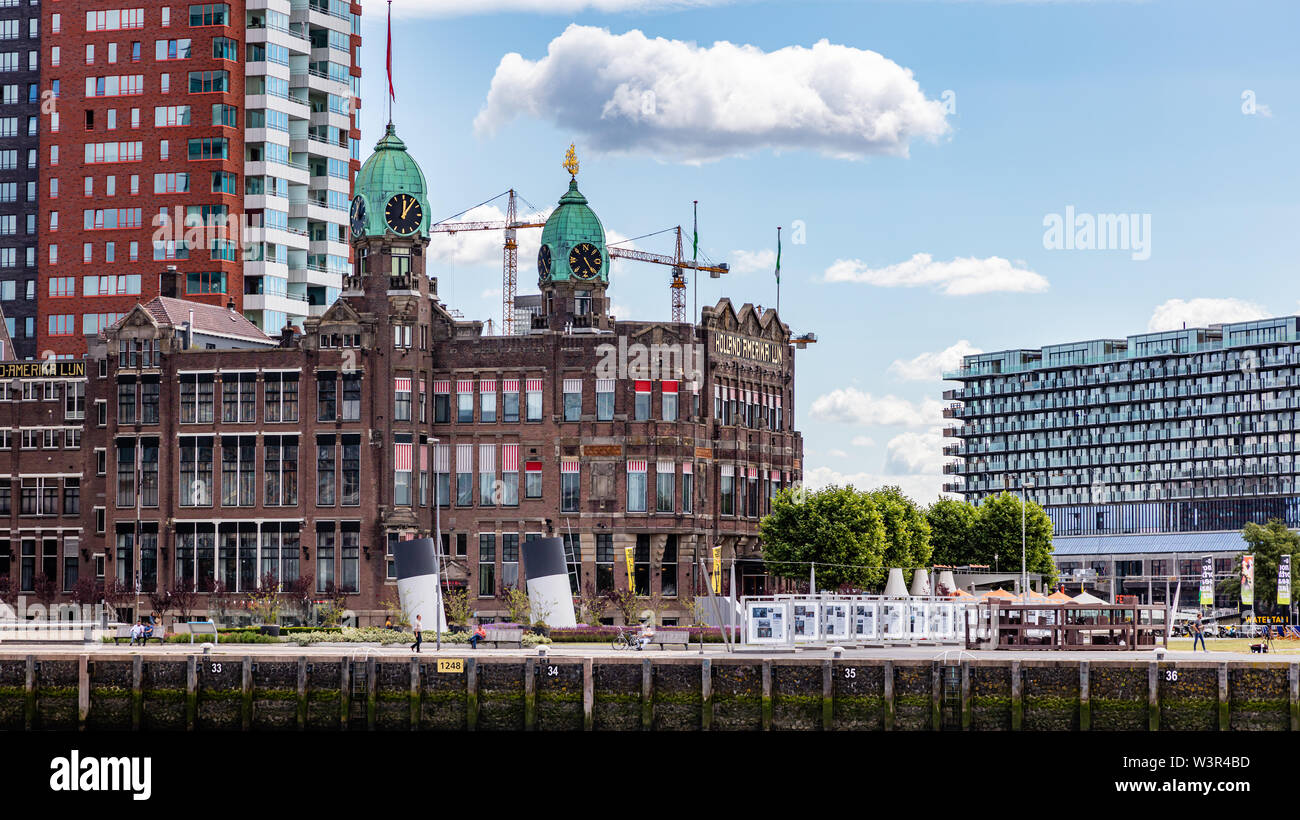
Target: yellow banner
627 557
717 570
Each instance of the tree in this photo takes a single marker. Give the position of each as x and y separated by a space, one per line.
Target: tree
45 590
183 600
997 531
907 533
1268 544
838 528
6 590
952 532
459 607
87 591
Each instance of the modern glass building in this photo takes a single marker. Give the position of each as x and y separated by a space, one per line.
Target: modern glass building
1169 434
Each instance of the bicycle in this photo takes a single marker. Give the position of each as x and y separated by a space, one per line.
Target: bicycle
626 639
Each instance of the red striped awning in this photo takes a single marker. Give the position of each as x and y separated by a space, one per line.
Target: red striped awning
636 466
669 387
687 467
487 458
421 384
731 393
510 458
573 385
604 385
717 391
509 385
465 386
464 458
402 457
424 457
569 466
753 472
775 475
441 386
533 467
664 467
487 385
778 402
728 470
643 387
442 458
402 385
533 385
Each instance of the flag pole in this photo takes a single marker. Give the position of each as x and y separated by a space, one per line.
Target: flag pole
391 94
778 270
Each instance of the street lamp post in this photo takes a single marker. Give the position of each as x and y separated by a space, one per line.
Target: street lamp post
437 547
1025 481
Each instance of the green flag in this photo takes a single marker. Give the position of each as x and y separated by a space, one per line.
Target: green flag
778 256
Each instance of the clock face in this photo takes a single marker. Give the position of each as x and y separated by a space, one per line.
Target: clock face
585 261
403 214
544 262
357 215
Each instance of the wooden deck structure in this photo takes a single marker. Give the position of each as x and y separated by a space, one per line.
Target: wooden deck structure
999 625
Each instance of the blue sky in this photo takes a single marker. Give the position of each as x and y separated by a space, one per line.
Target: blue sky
921 148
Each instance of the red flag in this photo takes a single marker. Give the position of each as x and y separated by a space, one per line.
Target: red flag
391 93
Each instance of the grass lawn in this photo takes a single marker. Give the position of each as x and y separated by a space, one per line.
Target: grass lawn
1234 645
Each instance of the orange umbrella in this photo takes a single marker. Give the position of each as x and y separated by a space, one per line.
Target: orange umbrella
1059 597
1000 593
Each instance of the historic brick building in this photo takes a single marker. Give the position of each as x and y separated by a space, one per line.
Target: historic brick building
215 454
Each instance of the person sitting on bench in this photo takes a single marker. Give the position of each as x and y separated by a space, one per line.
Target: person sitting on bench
647 634
477 635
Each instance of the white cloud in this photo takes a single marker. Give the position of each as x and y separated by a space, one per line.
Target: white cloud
930 366
923 488
680 102
472 248
852 406
908 453
863 441
833 453
1174 313
457 8
753 261
962 276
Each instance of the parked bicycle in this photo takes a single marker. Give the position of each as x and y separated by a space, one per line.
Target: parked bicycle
625 639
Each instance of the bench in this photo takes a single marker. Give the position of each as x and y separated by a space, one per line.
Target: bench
124 633
671 637
496 637
204 628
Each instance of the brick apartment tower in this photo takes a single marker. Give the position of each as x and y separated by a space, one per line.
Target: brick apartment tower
175 128
20 50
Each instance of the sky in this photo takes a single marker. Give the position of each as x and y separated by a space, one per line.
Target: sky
942 173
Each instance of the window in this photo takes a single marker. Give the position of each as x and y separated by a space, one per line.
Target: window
570 476
196 471
534 394
510 560
668 568
211 14
668 400
510 397
402 399
636 486
533 479
281 397
487 475
350 543
487 393
464 475
441 467
126 473
572 399
126 394
487 553
664 471
441 402
687 487
326 480
403 466
351 463
727 490
238 475
326 396
641 408
149 401
604 562
464 402
196 398
324 556
641 564
351 397
280 468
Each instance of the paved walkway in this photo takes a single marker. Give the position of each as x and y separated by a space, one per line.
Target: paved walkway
13 651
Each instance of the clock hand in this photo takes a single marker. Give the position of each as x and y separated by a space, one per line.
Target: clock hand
409 203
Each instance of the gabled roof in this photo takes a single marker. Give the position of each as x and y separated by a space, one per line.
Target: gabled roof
209 320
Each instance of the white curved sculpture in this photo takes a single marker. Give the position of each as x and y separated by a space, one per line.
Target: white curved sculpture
894 587
920 582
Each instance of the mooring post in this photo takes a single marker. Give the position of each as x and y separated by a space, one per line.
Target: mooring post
706 694
828 694
246 695
936 696
530 694
889 696
1085 697
471 694
965 696
83 691
647 695
345 692
1017 697
29 694
588 694
1153 696
191 692
1293 677
302 693
137 692
415 693
766 717
372 693
1224 718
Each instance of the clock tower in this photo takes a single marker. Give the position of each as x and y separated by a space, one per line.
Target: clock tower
573 262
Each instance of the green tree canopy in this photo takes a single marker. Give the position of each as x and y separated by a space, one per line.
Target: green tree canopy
997 531
1268 543
952 531
907 533
839 528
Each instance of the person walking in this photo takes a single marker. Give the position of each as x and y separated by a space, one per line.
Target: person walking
415 647
1198 634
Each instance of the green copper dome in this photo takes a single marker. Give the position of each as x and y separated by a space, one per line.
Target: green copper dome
390 171
570 225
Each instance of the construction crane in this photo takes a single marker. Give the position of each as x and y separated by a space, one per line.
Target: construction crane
509 255
677 284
